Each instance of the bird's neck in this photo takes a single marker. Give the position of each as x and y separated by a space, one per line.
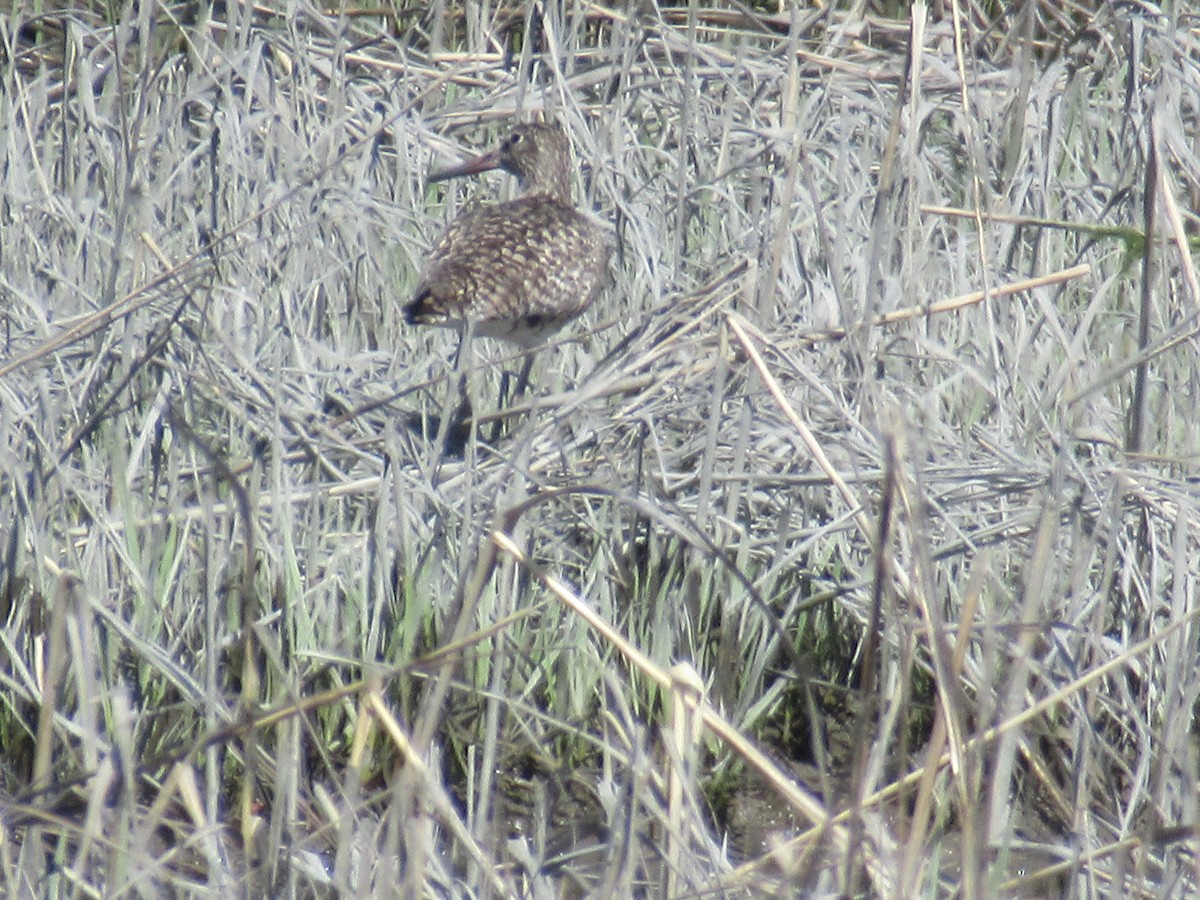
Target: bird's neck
554 186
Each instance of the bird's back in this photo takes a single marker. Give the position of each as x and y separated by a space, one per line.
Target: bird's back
517 270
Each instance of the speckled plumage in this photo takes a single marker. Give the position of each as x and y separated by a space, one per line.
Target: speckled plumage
517 270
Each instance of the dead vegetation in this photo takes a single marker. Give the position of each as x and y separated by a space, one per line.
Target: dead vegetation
848 547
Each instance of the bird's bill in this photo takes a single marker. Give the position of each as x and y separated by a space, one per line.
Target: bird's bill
483 163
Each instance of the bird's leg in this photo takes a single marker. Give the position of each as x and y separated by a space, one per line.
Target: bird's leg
506 399
454 427
523 378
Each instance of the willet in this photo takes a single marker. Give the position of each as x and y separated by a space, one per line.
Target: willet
518 270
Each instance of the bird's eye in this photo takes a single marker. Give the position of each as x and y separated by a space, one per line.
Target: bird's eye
515 139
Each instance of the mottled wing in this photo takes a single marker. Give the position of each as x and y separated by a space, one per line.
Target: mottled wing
529 262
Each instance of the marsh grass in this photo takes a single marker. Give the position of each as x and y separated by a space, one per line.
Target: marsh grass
848 546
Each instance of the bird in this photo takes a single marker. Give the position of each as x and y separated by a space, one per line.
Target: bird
522 269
